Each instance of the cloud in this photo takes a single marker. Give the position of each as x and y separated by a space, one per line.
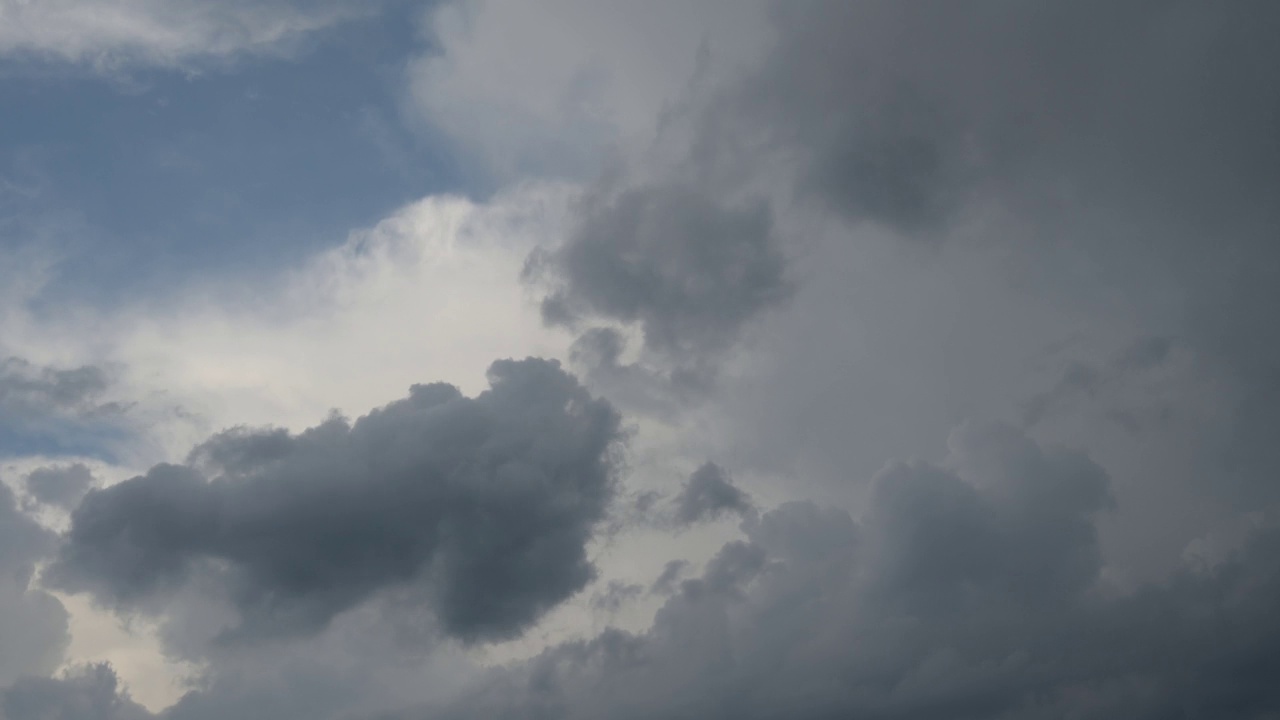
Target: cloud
90 692
709 494
957 595
580 82
904 117
116 35
1087 380
687 269
48 409
481 508
653 246
615 596
1099 171
59 485
27 388
32 622
664 584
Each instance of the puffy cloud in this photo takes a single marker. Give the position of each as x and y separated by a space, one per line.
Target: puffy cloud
688 270
708 494
59 485
968 589
110 36
1102 172
481 508
90 692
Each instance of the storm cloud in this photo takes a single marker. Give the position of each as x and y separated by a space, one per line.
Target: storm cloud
90 692
971 588
976 299
688 269
482 505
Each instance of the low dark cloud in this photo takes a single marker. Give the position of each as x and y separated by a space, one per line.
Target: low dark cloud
616 595
59 485
709 494
25 387
902 115
33 624
90 692
969 589
687 268
480 508
51 409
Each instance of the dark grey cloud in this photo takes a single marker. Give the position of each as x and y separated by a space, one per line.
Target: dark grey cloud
33 624
25 387
709 494
59 485
479 508
970 589
598 351
50 409
1122 149
686 267
616 595
1097 169
901 115
90 692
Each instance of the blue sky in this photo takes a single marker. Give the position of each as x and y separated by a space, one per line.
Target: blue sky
240 166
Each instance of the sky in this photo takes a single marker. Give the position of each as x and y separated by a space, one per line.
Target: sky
413 360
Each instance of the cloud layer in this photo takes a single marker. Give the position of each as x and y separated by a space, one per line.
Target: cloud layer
973 305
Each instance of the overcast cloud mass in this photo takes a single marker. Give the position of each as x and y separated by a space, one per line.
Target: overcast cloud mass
457 359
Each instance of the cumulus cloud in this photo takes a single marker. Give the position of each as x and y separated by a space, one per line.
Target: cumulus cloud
111 36
1098 171
969 588
482 506
689 271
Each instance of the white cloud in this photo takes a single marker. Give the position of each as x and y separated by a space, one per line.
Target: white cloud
113 34
554 86
431 293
